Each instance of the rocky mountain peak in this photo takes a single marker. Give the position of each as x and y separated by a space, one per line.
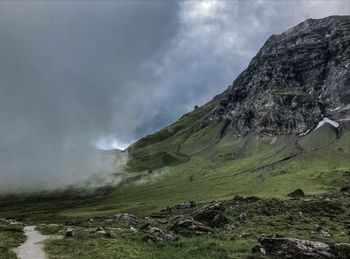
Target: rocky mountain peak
296 79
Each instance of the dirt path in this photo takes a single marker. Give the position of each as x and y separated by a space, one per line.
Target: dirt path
32 248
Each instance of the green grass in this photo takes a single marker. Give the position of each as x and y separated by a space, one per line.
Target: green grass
11 236
263 217
320 138
173 136
130 245
155 161
247 166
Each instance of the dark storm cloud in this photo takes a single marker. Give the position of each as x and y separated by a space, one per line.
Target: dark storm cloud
64 70
72 72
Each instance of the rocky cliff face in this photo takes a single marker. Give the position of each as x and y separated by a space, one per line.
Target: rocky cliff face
296 79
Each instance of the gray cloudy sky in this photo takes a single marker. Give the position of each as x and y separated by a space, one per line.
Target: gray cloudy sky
72 72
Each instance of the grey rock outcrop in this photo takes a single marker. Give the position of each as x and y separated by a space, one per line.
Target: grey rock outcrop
298 193
298 248
156 234
297 78
69 233
189 226
127 217
212 217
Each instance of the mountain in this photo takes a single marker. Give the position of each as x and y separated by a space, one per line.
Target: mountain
283 125
298 80
267 158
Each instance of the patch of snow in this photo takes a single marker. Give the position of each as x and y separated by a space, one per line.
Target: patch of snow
273 140
326 120
304 133
345 119
335 109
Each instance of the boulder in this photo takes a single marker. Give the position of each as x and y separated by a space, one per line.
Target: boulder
132 229
69 233
156 235
215 206
127 217
298 249
170 211
10 221
230 227
298 193
187 205
345 189
320 232
242 217
101 232
212 217
189 226
108 233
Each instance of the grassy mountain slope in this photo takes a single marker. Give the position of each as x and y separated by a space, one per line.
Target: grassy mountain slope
218 167
189 161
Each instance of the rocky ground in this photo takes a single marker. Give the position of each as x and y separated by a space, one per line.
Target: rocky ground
303 226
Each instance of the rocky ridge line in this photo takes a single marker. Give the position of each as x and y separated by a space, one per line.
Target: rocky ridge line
297 78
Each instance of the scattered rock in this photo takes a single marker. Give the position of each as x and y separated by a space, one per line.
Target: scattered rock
156 234
230 227
242 235
10 221
266 212
189 226
168 211
102 232
218 221
212 217
188 205
109 233
215 206
346 175
127 217
69 233
240 200
320 232
322 207
162 221
132 229
345 189
297 248
298 193
145 226
242 217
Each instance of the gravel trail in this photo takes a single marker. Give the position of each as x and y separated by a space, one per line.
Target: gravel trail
32 248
